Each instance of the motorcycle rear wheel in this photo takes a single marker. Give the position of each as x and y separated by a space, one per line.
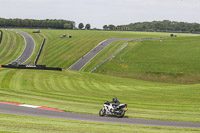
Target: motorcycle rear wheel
102 113
120 114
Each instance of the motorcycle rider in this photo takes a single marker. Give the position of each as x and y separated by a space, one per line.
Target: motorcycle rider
116 103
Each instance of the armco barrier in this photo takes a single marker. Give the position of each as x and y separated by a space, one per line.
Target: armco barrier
1 35
38 56
37 67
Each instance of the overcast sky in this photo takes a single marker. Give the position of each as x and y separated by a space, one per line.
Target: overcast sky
101 12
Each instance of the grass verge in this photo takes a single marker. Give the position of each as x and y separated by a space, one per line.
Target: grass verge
25 124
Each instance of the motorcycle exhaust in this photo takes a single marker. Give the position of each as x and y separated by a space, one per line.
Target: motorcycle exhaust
126 107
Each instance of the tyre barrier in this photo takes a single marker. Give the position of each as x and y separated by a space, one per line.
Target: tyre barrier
1 35
38 55
36 67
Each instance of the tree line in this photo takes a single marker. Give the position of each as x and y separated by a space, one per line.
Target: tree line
33 23
160 26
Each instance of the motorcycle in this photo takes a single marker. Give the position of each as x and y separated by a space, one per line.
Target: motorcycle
109 109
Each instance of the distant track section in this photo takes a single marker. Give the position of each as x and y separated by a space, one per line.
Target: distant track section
90 55
30 46
121 49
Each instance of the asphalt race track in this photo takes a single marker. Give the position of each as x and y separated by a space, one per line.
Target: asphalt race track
30 46
90 55
25 111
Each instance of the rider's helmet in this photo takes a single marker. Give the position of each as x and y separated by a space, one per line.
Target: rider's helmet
114 99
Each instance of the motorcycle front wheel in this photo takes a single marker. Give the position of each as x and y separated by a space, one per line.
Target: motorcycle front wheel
120 114
102 112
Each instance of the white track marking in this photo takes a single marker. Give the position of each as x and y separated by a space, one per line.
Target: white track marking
30 106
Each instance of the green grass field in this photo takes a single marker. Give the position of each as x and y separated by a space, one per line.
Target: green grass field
14 123
174 60
11 47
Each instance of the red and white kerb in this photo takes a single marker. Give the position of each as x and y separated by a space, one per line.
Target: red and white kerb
31 106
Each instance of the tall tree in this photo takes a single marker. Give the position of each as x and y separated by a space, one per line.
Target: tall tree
111 27
80 26
88 26
105 27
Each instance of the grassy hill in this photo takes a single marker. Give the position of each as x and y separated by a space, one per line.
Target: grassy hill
63 52
11 47
85 93
151 60
170 60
